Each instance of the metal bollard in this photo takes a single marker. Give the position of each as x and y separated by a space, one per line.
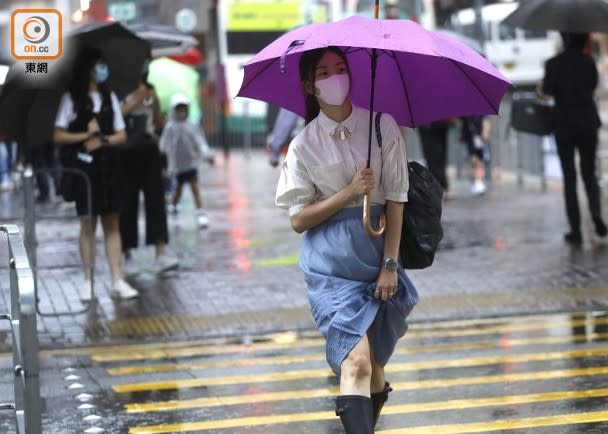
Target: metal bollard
29 222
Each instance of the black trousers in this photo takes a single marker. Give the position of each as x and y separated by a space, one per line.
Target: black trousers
586 143
142 171
435 147
42 158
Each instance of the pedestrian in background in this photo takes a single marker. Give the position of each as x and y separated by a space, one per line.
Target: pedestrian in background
284 126
434 140
143 172
571 78
185 145
360 297
6 183
90 128
476 137
45 165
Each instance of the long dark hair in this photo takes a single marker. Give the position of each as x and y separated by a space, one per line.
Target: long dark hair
308 65
576 41
79 88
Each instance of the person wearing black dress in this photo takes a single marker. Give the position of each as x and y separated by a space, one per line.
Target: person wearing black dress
89 128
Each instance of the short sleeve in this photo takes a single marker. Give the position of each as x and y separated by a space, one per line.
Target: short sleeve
395 181
295 189
119 122
65 113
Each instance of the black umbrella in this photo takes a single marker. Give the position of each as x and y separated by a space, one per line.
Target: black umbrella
165 40
28 107
569 16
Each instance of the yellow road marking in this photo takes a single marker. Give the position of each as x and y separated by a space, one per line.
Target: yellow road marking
499 425
118 354
286 360
321 373
457 404
220 401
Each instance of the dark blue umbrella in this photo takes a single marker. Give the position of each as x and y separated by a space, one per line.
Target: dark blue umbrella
28 107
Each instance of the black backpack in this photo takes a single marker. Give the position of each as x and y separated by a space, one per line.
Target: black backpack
421 231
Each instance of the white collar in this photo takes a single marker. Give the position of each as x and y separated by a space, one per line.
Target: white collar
342 130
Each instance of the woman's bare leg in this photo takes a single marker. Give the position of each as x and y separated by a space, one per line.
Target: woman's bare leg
85 243
113 243
356 370
378 378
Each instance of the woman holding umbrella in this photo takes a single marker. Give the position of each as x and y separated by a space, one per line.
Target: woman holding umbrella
360 296
90 126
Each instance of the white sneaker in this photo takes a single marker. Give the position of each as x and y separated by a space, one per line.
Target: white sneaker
123 290
173 209
478 187
166 263
86 292
202 219
6 186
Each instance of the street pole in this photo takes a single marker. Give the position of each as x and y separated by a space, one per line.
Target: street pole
479 28
220 78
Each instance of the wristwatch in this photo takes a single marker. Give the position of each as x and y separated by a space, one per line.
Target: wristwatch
390 264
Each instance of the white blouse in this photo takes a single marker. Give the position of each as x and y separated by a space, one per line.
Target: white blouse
326 155
66 114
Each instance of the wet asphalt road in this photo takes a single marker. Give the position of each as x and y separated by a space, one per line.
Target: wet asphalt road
154 369
538 374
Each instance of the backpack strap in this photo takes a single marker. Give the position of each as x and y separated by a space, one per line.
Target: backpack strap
378 130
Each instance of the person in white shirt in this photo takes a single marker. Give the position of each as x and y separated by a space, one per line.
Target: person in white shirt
360 297
89 128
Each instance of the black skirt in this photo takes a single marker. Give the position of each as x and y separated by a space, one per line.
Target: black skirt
104 174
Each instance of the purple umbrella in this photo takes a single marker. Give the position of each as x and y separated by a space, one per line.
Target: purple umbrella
423 76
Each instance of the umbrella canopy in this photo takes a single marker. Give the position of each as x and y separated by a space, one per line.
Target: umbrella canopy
422 76
165 40
28 107
569 16
170 77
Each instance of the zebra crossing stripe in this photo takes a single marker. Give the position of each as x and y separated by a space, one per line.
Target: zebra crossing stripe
462 404
326 373
219 401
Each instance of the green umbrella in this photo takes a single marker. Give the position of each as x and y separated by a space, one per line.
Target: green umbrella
170 77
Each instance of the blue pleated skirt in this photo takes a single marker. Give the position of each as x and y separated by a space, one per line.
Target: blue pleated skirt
341 263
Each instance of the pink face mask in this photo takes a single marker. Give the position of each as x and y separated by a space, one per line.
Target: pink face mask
333 90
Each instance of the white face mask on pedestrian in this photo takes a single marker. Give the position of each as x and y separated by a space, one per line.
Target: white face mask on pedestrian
333 90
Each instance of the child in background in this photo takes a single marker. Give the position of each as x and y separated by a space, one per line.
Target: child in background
185 145
476 136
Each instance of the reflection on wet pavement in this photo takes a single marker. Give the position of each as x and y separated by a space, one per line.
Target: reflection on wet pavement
541 374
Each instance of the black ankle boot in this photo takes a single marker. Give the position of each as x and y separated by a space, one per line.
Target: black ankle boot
378 400
355 412
600 227
574 238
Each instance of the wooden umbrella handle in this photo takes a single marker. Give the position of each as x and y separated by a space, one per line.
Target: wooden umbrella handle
366 219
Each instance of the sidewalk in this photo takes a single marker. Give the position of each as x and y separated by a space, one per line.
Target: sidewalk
501 254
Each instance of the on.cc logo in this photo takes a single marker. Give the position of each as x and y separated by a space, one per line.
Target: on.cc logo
36 30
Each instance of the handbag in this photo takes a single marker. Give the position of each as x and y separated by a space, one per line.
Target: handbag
532 115
421 231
